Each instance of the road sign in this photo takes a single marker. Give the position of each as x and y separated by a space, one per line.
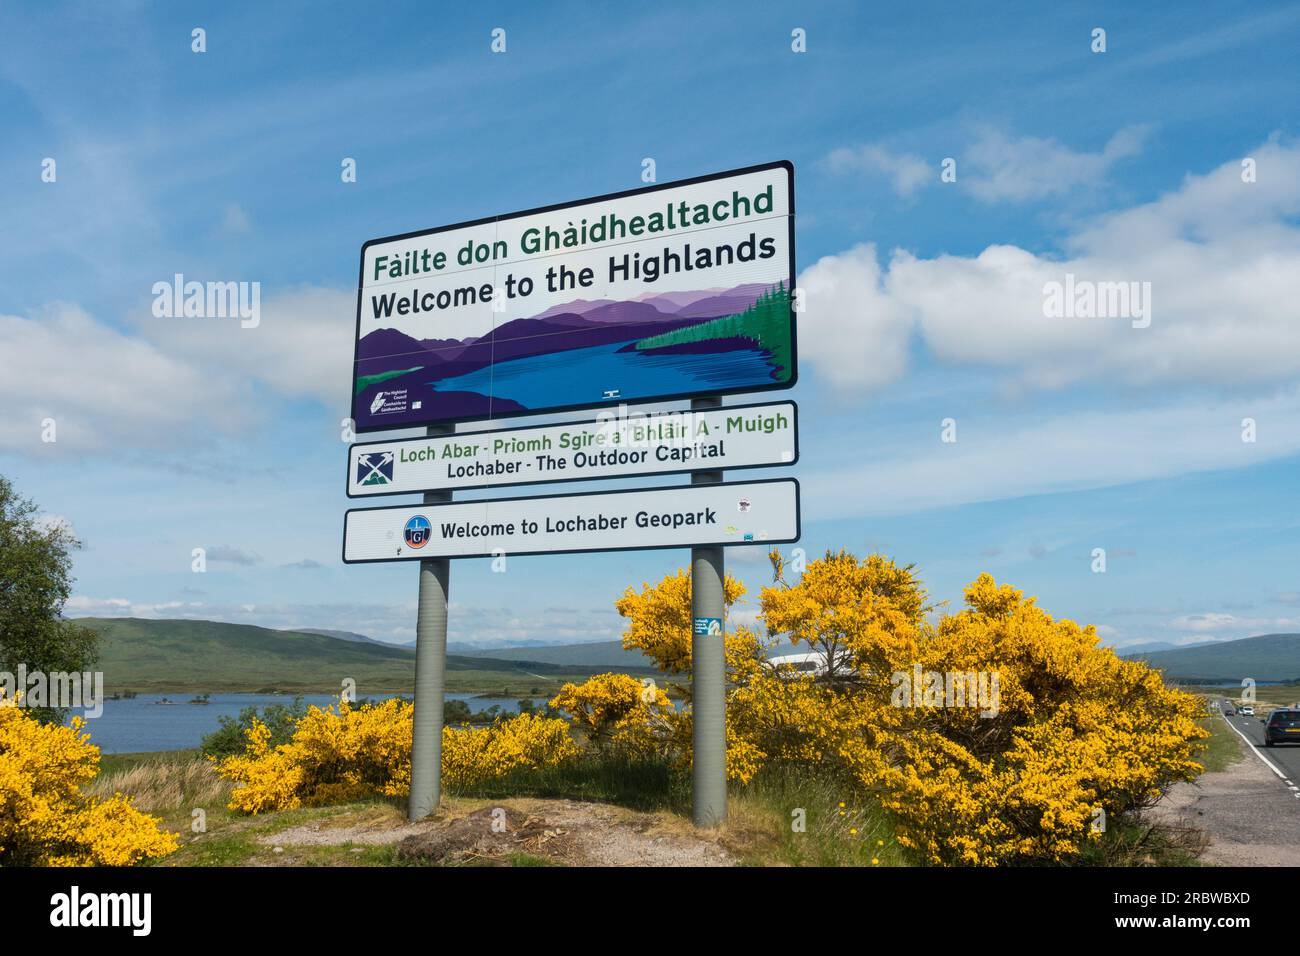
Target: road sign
734 513
672 291
609 446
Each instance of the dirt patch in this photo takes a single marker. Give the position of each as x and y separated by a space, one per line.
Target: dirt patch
375 827
559 831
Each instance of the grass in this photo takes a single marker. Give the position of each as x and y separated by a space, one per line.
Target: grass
637 785
1132 843
1221 749
163 781
792 818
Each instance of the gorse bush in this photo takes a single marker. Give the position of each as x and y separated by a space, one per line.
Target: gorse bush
47 819
344 753
474 755
618 714
1072 731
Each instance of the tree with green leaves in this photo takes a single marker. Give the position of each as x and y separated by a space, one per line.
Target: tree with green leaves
35 582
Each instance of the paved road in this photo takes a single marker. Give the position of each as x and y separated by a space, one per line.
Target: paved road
1285 758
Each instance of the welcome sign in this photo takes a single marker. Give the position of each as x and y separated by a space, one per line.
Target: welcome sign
674 291
730 513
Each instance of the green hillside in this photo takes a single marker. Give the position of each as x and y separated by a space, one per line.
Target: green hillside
178 656
1267 657
604 654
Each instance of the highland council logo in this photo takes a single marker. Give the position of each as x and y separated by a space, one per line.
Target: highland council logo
417 532
375 468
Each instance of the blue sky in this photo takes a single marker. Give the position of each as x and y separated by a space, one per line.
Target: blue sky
924 297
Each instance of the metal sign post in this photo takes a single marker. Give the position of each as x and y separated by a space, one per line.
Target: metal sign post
430 672
708 670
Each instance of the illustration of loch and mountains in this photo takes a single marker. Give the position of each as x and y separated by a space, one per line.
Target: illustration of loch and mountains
585 352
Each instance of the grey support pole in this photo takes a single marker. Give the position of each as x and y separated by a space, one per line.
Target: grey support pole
430 672
708 672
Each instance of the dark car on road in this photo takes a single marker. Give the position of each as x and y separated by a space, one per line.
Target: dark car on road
1282 727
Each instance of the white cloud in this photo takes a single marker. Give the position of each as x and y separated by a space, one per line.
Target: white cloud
1011 458
854 331
228 554
82 606
1206 622
1214 621
997 167
1220 255
301 348
906 171
102 389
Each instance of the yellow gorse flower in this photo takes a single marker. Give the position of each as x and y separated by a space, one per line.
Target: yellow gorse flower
46 819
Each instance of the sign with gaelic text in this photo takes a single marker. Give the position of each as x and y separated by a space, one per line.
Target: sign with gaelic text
614 445
672 291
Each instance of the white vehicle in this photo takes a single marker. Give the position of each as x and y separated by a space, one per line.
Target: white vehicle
1248 711
813 662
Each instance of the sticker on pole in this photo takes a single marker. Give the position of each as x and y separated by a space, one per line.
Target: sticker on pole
642 519
708 626
672 291
616 445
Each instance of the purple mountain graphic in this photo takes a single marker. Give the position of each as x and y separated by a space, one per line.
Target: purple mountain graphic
599 322
728 302
616 312
672 301
576 307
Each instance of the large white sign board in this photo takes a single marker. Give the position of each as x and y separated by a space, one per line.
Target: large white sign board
671 291
733 513
614 446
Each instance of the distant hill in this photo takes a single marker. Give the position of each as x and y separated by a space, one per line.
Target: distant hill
605 654
337 635
596 654
1266 657
1150 647
169 656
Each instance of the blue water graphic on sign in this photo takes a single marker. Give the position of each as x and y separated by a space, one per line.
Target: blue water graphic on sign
578 376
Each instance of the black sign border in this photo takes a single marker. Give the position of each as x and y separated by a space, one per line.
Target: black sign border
694 466
798 523
639 400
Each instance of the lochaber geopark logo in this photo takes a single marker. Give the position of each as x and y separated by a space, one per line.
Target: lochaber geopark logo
417 532
375 468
